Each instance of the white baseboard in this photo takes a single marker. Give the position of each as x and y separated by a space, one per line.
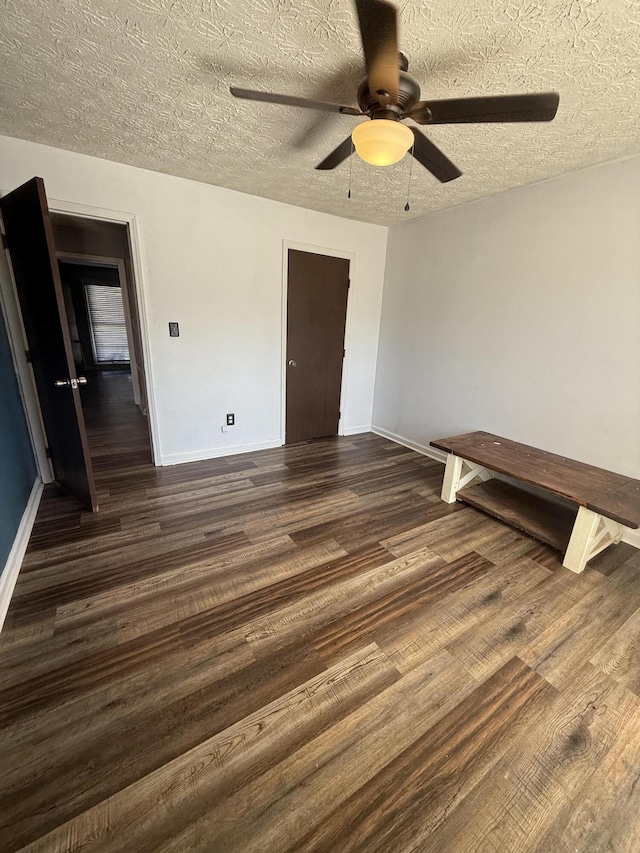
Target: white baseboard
12 567
431 452
356 430
217 452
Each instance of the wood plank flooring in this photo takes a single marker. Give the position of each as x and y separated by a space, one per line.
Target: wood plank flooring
304 649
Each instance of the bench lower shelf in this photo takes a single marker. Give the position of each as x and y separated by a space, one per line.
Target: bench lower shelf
549 522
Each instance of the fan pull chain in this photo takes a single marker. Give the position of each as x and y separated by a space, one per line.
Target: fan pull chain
350 169
407 206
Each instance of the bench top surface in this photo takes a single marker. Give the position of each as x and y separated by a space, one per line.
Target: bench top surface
609 494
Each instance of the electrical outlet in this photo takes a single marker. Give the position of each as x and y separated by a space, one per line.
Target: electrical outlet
174 330
231 420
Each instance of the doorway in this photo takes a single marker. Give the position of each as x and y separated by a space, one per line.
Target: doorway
317 292
101 307
53 365
101 244
94 301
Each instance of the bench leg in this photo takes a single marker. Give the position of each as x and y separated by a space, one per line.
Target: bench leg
451 480
591 534
457 474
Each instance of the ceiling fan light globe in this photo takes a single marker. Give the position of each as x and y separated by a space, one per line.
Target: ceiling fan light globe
382 142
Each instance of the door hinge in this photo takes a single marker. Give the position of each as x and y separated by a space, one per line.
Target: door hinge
344 352
349 284
27 355
339 415
47 453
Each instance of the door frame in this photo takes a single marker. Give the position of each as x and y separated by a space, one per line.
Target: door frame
110 263
86 211
332 253
17 338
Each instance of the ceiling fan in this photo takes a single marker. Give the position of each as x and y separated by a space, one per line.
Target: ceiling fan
389 94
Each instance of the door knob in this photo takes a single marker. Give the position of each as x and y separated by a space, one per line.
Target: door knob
292 363
64 383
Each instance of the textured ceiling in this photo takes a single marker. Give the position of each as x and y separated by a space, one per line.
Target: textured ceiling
146 82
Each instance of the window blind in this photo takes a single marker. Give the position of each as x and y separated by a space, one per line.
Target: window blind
106 315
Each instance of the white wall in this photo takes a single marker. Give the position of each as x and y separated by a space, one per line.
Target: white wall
520 315
212 259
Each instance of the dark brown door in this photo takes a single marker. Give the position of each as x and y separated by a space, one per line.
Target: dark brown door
33 257
316 313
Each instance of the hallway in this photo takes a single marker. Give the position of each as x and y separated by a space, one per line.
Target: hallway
118 431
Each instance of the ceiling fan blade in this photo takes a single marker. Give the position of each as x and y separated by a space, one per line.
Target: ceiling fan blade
379 31
433 159
337 156
290 101
502 108
345 79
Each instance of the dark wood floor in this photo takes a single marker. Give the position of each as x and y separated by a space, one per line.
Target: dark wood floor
305 650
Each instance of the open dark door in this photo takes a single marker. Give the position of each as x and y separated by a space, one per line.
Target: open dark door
316 314
25 215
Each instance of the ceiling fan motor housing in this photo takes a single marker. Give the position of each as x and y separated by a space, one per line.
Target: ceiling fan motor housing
408 95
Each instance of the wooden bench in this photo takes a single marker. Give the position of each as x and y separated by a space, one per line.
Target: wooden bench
580 512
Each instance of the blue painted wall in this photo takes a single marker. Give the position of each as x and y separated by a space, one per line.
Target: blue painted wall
17 463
